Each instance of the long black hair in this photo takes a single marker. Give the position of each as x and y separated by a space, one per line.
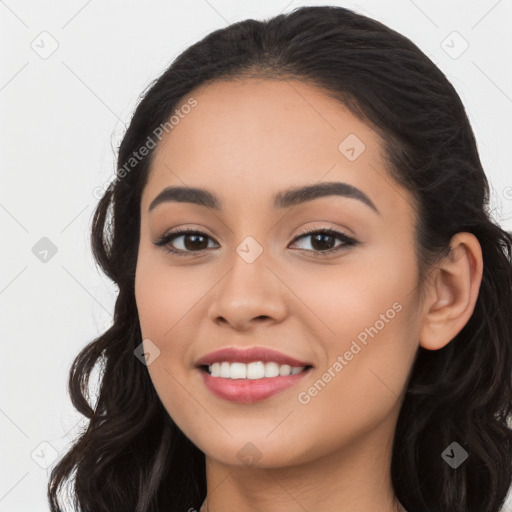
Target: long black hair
132 456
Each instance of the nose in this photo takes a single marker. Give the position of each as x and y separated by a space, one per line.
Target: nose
249 294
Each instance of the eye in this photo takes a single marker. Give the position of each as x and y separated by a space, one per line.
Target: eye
196 241
322 239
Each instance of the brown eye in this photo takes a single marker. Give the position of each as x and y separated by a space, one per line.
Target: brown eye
322 241
192 241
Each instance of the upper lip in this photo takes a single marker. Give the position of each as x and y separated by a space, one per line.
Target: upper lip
249 355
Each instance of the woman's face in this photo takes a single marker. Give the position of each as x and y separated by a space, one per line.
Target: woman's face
253 277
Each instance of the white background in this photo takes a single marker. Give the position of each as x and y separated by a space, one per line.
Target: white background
62 118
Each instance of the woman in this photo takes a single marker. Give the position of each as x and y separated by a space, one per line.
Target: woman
314 307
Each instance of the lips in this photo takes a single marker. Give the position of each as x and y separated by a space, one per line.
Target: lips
249 355
247 391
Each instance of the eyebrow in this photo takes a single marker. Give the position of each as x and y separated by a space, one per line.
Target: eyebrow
283 199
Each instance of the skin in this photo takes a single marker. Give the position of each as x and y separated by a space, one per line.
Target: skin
245 141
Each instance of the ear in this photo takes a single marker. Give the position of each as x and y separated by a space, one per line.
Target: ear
452 292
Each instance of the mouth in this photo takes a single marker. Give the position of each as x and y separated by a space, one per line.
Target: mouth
250 386
252 374
256 370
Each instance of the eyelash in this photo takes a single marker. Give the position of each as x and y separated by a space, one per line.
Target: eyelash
165 240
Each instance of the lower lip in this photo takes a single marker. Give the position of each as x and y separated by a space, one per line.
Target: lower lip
250 390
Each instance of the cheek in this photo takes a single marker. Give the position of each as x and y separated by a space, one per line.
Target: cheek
165 295
169 302
366 318
366 369
341 301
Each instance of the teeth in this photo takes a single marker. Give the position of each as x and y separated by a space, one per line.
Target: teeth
224 370
255 370
271 369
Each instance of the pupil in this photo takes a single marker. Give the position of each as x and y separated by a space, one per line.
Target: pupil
322 239
195 246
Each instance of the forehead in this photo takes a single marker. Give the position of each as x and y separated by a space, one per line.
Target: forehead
271 121
246 139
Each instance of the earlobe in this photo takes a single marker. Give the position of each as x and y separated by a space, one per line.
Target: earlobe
453 292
